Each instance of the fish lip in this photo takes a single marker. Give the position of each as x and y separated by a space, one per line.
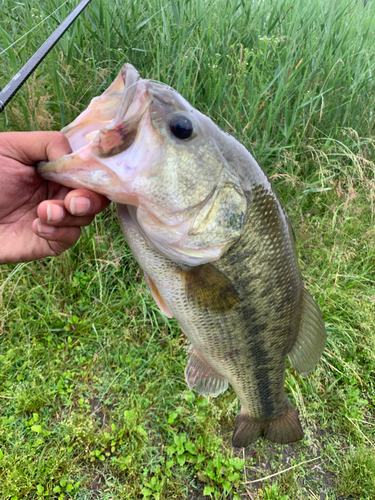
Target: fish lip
131 78
119 97
112 135
95 162
98 179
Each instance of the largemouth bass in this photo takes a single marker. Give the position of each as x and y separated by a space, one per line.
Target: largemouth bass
215 244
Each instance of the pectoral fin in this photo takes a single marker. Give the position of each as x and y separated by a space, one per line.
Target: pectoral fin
199 374
157 297
311 339
208 288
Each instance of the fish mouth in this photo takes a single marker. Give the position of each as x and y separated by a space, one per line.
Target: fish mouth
101 139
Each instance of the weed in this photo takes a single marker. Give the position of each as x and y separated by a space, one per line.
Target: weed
93 403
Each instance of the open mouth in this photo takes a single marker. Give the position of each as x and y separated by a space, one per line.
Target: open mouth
107 128
107 111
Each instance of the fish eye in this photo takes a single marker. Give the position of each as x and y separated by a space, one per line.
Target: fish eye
181 127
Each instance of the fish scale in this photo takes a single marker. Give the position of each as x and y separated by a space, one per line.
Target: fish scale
216 246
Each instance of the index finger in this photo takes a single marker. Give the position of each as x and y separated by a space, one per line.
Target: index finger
75 202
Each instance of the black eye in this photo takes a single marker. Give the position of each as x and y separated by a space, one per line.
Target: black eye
181 127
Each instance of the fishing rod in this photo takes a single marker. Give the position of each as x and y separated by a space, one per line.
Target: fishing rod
20 78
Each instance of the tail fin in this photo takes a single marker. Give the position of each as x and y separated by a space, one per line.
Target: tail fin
286 428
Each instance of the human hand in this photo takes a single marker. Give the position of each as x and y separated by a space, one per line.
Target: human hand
39 218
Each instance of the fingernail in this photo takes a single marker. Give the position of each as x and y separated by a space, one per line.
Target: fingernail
54 212
45 228
79 205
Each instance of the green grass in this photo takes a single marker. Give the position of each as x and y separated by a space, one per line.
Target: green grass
93 402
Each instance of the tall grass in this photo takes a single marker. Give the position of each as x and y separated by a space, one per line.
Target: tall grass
279 69
93 403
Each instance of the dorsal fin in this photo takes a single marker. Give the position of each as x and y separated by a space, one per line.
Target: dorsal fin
311 338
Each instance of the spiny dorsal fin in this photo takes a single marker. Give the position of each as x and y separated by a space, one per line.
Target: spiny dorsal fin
208 288
157 297
285 428
312 336
199 374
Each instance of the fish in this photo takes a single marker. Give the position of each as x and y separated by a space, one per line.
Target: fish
216 246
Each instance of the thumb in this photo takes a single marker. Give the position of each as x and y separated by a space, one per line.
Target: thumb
32 147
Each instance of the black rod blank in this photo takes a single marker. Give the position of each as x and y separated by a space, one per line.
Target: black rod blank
20 78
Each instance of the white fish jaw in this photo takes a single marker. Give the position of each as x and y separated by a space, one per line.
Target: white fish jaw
108 140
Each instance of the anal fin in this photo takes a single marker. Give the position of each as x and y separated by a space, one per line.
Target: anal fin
199 374
285 428
157 297
311 339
